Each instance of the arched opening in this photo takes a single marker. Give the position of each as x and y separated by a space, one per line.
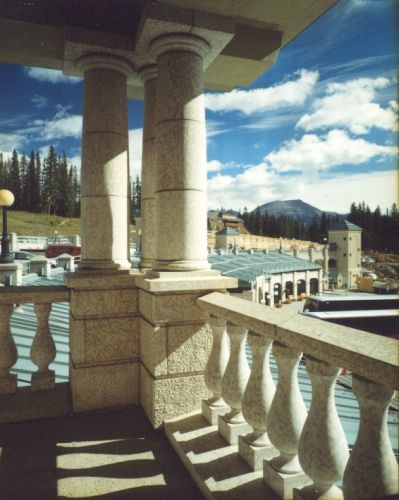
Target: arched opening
300 287
314 286
289 289
332 263
277 293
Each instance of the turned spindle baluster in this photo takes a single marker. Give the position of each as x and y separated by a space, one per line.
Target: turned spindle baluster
43 350
323 449
217 361
288 412
8 352
236 375
372 470
260 390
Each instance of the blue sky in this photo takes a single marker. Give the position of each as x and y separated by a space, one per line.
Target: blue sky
320 125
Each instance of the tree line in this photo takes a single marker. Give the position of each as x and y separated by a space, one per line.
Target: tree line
380 231
49 184
42 185
265 224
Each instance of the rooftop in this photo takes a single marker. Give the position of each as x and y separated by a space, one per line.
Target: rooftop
345 226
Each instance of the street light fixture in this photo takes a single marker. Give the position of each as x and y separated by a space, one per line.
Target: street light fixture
6 200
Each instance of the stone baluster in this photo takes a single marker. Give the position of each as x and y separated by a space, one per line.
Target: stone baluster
43 350
234 382
323 449
8 352
255 447
215 370
372 470
260 390
285 422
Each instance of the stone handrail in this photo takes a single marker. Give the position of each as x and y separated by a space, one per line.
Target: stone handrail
304 454
43 350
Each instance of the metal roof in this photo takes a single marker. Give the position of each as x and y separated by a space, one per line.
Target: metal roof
229 231
346 225
23 326
247 266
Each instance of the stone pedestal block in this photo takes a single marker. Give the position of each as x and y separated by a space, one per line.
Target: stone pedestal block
104 333
42 381
40 266
211 412
104 386
284 484
231 432
11 273
175 342
255 455
8 385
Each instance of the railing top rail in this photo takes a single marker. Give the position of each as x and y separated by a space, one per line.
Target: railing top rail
371 356
35 294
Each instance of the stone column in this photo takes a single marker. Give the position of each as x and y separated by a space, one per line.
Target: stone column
104 188
148 169
180 192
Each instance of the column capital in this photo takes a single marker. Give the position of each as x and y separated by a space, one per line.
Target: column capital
179 42
149 72
104 61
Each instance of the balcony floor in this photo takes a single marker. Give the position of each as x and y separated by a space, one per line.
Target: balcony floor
113 454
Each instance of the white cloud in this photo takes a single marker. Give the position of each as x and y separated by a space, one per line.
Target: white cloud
11 141
214 166
40 101
338 192
50 75
57 128
312 153
351 105
258 185
135 151
290 93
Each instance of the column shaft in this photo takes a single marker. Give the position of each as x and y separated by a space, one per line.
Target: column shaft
180 192
104 195
148 169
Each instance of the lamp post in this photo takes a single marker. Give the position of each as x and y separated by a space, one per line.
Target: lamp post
6 200
55 236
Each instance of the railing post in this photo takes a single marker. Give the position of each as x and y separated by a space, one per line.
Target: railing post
286 419
215 370
43 350
256 403
8 352
372 470
323 449
234 382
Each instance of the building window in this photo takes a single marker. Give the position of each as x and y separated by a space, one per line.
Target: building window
344 238
350 238
350 255
344 254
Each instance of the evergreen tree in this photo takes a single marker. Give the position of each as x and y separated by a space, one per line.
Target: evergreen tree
49 193
14 180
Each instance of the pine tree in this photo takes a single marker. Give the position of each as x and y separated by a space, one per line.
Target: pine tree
49 193
14 180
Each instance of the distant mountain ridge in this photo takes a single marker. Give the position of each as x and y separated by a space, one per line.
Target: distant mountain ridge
296 209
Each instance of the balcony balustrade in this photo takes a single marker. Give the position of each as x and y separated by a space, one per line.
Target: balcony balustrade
304 455
43 350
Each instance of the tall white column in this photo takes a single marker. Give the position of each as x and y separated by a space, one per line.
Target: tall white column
148 169
104 183
180 192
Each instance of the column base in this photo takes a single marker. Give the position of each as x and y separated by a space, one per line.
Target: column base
104 265
255 455
231 432
211 413
180 265
284 484
43 381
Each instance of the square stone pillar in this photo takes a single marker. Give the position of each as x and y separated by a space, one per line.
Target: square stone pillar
104 340
175 341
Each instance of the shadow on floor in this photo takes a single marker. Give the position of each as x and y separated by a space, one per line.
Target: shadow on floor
104 455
